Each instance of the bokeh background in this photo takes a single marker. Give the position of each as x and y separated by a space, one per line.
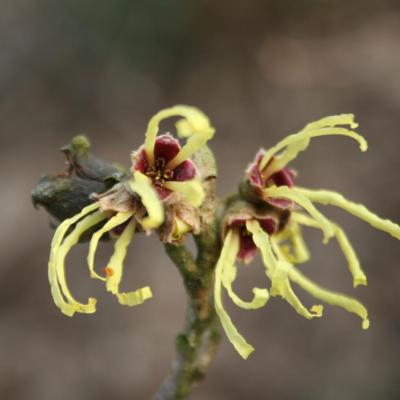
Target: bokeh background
260 69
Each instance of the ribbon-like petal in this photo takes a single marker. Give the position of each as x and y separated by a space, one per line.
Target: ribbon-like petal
227 258
192 191
59 250
196 126
115 270
359 277
298 142
330 297
278 270
150 200
328 197
112 223
303 201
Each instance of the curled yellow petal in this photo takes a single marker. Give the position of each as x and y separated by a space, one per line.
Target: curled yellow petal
112 223
328 197
115 270
303 201
150 200
82 226
330 297
260 296
196 127
59 249
281 287
298 142
333 120
277 270
183 128
359 277
227 258
192 191
261 240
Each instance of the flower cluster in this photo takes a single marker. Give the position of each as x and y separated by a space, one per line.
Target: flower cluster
276 231
163 193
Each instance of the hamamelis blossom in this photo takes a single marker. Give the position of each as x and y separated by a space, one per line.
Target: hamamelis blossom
168 167
270 182
245 234
163 194
163 162
70 230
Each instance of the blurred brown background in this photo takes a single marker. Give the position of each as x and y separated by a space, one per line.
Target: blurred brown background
260 70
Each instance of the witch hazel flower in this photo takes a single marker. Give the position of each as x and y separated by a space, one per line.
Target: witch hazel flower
248 230
164 181
70 230
168 167
270 183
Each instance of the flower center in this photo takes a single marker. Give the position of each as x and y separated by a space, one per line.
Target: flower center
158 173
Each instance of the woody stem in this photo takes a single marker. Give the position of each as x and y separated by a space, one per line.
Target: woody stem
196 344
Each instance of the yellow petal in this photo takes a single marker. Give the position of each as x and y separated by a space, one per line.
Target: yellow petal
112 223
358 274
192 191
115 268
227 258
336 299
141 177
330 297
261 240
277 270
333 120
59 250
336 199
303 201
197 127
73 238
260 296
150 200
299 141
136 297
183 128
